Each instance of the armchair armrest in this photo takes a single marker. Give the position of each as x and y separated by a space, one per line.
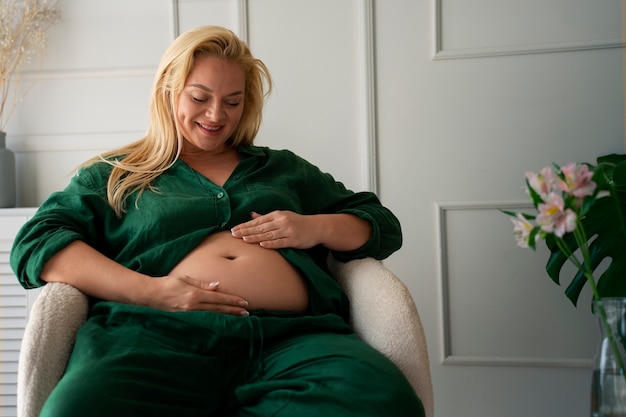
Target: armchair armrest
54 319
385 316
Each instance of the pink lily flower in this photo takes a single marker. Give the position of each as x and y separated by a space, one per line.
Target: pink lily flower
554 218
522 229
543 182
578 181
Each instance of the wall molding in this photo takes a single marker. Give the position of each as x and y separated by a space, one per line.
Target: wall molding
103 73
71 142
368 99
244 17
439 53
91 73
175 19
518 362
447 355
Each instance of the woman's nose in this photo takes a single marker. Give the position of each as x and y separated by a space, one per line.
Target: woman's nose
215 110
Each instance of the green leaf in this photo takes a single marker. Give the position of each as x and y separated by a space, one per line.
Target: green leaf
534 196
532 237
509 213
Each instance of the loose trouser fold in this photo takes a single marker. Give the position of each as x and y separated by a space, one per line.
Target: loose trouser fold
137 361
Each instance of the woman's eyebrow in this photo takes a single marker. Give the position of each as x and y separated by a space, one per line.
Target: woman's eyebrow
208 90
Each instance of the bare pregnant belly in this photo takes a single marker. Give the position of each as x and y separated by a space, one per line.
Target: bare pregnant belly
261 276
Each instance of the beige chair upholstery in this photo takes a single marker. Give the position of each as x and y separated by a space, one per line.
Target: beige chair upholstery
383 314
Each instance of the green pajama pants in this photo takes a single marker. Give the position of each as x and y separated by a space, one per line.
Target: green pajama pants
137 361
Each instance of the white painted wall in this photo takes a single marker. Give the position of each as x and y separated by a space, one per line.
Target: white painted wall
440 105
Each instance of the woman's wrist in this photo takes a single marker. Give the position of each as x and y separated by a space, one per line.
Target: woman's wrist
343 232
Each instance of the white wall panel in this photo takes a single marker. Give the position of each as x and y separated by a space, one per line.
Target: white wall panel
45 171
499 305
231 14
315 52
506 27
84 105
70 120
112 34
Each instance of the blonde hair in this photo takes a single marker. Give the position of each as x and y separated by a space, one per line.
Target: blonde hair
135 166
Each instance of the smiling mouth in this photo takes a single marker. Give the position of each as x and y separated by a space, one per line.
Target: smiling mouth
209 128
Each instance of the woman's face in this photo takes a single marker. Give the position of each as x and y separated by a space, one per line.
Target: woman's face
211 104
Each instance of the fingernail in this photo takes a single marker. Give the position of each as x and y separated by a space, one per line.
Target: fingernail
243 303
244 313
214 284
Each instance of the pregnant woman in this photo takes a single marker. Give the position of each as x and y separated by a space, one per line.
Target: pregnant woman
204 257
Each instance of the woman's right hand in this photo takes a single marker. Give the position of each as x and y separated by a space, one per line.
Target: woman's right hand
81 266
183 293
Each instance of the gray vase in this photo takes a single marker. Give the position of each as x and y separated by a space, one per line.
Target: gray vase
7 174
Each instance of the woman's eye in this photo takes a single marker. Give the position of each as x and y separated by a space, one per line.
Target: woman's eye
198 100
232 104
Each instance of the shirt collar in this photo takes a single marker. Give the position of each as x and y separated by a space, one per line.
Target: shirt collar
251 150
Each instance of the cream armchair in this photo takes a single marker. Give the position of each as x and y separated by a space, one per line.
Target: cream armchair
383 314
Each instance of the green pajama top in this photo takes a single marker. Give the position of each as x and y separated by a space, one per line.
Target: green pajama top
184 207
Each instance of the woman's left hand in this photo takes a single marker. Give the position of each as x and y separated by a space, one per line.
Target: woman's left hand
286 229
279 229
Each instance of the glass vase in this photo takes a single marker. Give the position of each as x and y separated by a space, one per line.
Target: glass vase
608 388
